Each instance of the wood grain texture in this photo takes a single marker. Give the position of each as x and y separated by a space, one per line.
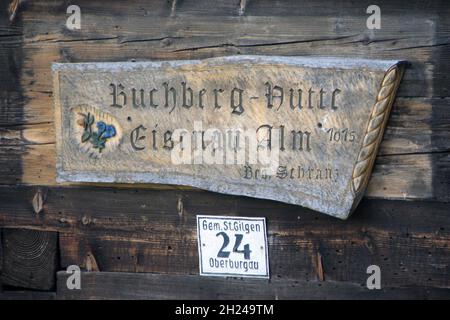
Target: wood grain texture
395 176
105 285
142 30
151 230
135 230
297 172
412 161
415 130
29 258
416 125
197 29
12 99
373 134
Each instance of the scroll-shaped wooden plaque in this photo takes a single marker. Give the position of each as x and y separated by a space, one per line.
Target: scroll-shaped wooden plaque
300 130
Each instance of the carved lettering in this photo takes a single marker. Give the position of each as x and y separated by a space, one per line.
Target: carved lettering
115 96
237 106
299 99
186 91
266 141
333 98
302 130
168 142
152 103
136 136
167 91
274 93
299 142
216 98
321 93
201 93
310 95
137 104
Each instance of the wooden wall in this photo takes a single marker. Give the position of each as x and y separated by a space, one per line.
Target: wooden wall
140 241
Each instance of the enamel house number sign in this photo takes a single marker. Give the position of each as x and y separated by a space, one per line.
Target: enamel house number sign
232 246
298 130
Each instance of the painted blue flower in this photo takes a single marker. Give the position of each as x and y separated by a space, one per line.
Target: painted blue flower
101 126
110 132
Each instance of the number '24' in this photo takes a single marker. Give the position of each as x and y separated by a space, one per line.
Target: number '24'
226 240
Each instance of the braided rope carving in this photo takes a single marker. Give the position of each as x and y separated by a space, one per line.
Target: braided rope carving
375 129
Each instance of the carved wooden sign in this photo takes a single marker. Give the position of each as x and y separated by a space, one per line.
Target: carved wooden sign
298 130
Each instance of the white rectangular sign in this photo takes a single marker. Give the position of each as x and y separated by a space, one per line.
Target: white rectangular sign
232 246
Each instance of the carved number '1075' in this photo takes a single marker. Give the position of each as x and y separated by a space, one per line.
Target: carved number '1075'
341 135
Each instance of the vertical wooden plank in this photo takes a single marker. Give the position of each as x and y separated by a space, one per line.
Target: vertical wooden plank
12 99
29 258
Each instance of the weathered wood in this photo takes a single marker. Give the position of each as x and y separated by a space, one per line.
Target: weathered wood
198 33
29 258
418 80
416 125
97 143
104 285
12 99
346 251
135 230
198 29
411 176
396 176
413 162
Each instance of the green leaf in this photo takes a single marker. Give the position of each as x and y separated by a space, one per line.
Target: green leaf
94 137
85 136
90 119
